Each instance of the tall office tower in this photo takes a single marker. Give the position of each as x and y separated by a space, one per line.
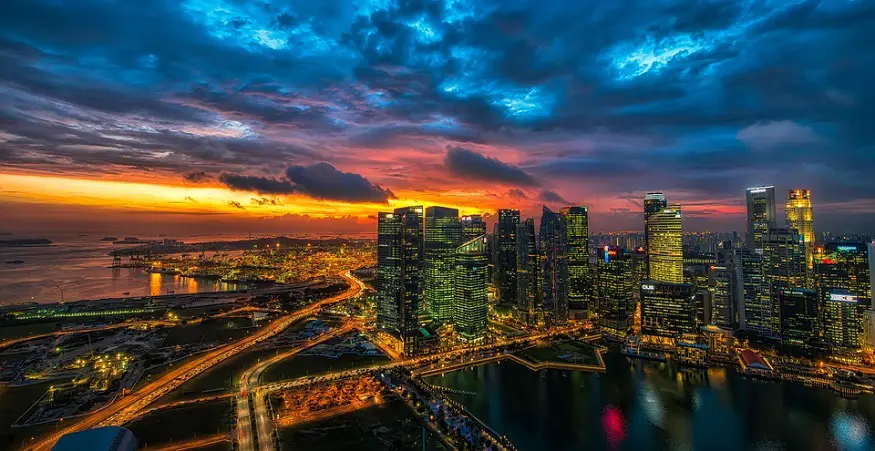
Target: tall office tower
527 273
761 214
871 247
665 251
505 264
615 290
783 267
846 266
758 312
577 239
639 266
390 236
653 203
800 216
471 299
442 237
667 309
410 295
841 320
726 289
472 227
554 266
800 315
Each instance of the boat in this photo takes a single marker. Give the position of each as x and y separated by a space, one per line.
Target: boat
14 262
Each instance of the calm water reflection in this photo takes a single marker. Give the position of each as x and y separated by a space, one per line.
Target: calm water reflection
642 405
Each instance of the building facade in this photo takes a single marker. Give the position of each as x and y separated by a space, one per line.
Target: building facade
554 266
505 263
846 266
800 217
615 290
527 273
667 309
653 203
841 321
665 252
800 316
472 227
577 239
442 237
761 214
471 303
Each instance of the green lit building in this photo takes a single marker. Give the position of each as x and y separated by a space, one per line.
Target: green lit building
846 266
471 303
783 267
653 203
615 290
667 309
577 239
442 237
390 234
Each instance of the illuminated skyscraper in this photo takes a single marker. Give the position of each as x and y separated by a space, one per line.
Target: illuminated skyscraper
399 274
471 299
841 321
615 290
653 203
442 237
846 266
505 265
757 311
667 309
554 265
577 239
472 227
761 214
665 252
800 216
800 315
783 268
527 273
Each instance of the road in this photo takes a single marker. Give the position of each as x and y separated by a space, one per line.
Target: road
127 408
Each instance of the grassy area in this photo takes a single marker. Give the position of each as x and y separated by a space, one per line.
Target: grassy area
581 353
354 431
14 401
185 423
11 331
304 365
225 375
220 330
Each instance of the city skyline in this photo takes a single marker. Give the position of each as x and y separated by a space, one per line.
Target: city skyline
260 116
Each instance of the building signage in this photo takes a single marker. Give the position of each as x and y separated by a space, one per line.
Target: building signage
843 297
648 287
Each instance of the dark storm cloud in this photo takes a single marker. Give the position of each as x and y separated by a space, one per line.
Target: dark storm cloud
713 94
324 181
552 197
261 185
197 176
465 163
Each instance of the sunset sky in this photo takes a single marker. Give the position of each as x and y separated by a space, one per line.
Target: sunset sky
284 116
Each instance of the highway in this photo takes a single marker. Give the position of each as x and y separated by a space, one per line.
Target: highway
128 408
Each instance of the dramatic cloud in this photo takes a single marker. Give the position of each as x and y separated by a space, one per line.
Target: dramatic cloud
236 204
552 198
324 181
463 102
465 163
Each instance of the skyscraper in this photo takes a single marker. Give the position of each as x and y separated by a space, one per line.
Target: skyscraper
527 273
800 216
761 214
615 290
783 268
667 309
846 266
554 264
399 274
841 321
653 202
472 227
506 255
471 299
665 251
390 235
577 239
800 315
442 237
757 307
